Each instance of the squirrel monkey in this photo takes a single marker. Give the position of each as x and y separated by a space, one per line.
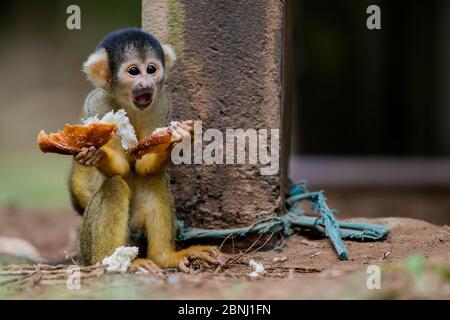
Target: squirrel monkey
116 195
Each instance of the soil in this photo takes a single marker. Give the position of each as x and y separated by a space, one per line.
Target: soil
304 267
52 232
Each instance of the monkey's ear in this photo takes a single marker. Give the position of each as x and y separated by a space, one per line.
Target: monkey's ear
169 56
96 68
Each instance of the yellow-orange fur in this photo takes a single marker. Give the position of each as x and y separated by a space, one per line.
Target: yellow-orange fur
120 196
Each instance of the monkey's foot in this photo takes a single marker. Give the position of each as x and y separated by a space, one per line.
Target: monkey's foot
208 254
146 266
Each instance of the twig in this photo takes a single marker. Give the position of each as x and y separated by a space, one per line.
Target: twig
223 242
232 241
265 242
43 274
234 259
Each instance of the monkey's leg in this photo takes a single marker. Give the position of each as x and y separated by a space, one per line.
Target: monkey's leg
105 221
157 215
83 183
86 177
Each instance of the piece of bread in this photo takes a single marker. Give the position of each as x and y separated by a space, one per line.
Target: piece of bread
74 138
124 128
157 142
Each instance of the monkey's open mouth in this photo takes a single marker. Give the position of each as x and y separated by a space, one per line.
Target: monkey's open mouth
143 98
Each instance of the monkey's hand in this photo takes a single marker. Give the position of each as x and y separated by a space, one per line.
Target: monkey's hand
181 130
109 159
153 163
90 156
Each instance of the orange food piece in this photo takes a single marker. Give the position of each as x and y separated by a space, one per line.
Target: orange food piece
157 142
74 138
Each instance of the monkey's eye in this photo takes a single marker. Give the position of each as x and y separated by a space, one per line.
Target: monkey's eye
134 71
151 69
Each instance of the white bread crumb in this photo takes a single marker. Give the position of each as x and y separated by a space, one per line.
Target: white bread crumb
124 128
258 269
172 123
121 259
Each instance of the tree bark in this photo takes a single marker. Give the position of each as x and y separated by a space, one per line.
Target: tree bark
228 74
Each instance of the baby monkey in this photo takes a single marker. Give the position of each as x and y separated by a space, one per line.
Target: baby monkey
118 196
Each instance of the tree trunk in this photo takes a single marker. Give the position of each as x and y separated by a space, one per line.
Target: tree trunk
228 74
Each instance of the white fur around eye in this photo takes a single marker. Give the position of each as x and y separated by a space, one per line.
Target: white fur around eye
125 79
159 74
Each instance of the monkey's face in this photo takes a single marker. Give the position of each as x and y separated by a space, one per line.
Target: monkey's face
131 66
140 81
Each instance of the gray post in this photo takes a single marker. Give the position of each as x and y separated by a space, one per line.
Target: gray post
229 75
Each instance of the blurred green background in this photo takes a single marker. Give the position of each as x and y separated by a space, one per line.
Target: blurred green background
43 88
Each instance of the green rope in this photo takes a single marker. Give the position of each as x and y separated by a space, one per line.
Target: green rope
326 224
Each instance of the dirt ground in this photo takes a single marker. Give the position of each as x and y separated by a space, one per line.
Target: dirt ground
414 261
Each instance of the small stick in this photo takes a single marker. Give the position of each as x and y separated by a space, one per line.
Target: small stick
223 242
232 241
234 259
262 246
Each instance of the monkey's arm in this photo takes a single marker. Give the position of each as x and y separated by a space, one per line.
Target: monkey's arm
152 163
85 180
114 161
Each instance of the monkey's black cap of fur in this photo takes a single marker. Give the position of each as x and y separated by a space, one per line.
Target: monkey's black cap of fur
116 42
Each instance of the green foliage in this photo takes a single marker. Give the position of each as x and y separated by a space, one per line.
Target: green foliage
416 267
443 271
35 181
7 259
